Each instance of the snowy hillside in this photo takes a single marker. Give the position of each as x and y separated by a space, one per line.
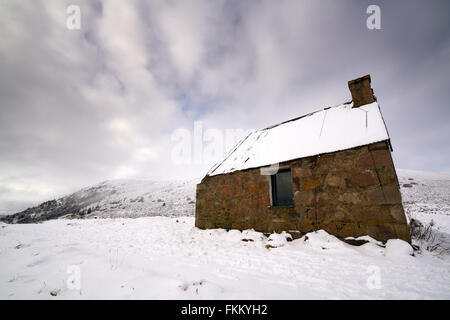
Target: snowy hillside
117 198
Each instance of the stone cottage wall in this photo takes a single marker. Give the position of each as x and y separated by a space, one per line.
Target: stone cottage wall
353 192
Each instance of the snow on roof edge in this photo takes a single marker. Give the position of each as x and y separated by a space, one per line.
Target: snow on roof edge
382 136
216 165
303 157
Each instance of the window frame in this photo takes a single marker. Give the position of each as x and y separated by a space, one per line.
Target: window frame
273 189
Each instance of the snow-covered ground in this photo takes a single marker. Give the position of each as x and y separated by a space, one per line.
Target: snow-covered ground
168 258
162 257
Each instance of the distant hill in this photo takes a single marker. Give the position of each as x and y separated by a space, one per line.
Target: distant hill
116 198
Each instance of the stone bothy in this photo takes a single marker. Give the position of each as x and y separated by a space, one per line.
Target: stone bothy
331 170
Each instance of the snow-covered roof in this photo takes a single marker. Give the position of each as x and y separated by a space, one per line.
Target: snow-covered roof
328 130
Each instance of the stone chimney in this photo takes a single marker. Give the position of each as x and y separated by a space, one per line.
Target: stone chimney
362 92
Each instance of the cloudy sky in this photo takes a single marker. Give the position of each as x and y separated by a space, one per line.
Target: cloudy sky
110 100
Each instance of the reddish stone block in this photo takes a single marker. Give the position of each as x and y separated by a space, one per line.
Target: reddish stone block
304 198
382 158
226 191
364 179
310 184
365 161
363 214
302 172
266 199
253 189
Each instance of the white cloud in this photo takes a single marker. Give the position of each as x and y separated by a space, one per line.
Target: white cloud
184 25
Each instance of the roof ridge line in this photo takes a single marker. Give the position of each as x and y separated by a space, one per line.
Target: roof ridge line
303 116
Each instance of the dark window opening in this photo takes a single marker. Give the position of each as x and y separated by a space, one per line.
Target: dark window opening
282 188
